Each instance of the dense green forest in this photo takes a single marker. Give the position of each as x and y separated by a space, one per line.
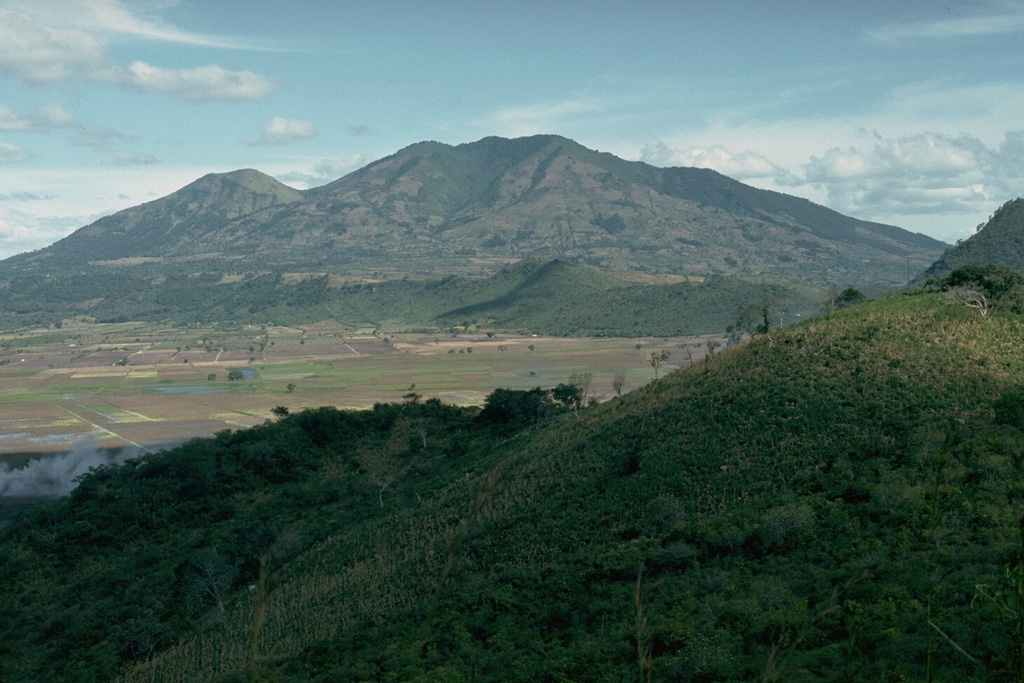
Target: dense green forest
839 500
519 298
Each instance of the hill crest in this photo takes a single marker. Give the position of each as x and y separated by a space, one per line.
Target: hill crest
475 206
998 241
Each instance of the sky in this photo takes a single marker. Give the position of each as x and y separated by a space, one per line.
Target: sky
909 113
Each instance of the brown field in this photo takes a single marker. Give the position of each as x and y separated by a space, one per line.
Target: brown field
149 386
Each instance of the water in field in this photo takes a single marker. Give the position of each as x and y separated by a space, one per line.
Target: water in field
190 389
248 374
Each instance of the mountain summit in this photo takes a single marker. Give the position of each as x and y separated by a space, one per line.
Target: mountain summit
494 201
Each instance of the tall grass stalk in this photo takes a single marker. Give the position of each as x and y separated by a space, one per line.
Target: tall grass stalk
644 646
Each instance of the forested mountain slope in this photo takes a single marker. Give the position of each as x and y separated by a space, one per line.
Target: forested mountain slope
838 500
998 241
433 208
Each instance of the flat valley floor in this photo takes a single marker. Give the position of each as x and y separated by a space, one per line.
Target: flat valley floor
147 386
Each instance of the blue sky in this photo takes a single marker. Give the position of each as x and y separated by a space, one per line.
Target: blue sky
909 112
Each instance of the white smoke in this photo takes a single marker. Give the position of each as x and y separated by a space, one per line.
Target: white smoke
54 476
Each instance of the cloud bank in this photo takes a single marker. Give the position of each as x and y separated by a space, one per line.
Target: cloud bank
38 54
894 179
741 165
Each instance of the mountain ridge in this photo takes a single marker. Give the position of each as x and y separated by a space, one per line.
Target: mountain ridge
478 205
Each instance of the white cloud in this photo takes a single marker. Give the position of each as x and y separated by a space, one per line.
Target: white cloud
52 116
925 155
1003 18
926 173
323 171
22 197
934 156
279 131
114 16
936 183
20 232
201 84
12 154
125 157
542 118
36 53
45 118
39 53
138 19
742 166
108 142
11 121
41 205
103 141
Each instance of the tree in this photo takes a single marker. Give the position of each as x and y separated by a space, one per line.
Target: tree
567 395
383 463
280 412
657 359
619 382
235 375
781 307
849 297
971 298
576 393
507 410
582 380
206 579
1002 287
831 297
751 320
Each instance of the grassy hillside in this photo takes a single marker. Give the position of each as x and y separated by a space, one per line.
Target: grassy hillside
839 500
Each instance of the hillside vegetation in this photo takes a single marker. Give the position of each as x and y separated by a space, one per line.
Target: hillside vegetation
533 296
840 500
999 241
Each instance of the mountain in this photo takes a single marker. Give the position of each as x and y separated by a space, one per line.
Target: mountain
839 500
470 208
186 223
999 241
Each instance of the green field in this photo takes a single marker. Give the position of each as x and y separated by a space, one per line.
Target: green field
151 385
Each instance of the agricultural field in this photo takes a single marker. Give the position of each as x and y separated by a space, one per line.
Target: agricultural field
147 386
